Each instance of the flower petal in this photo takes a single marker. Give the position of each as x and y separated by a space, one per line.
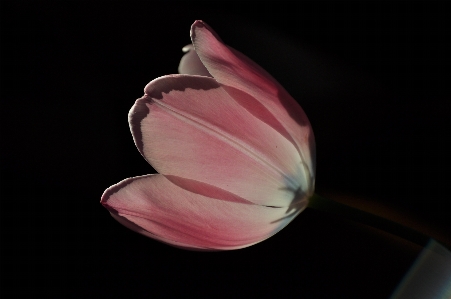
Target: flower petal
233 69
190 63
154 206
189 127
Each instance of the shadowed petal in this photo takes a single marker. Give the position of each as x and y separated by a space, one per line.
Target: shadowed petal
190 63
189 127
152 205
233 69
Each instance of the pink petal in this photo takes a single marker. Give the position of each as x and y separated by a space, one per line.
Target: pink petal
152 205
190 63
189 127
240 74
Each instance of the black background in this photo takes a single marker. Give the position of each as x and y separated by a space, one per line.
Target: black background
372 77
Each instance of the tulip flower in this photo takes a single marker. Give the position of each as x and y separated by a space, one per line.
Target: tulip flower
234 153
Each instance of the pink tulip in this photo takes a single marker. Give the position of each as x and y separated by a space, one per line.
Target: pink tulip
234 152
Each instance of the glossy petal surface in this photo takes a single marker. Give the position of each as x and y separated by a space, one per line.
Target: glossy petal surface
154 206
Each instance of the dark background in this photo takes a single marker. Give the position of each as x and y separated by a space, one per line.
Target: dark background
372 77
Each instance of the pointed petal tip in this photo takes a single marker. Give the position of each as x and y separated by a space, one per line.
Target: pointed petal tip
202 27
114 189
198 23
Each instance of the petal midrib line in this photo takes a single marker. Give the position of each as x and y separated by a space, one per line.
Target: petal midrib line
226 137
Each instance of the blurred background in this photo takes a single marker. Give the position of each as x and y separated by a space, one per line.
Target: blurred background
372 77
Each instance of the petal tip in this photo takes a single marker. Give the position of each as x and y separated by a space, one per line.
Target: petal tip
198 27
198 23
114 189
